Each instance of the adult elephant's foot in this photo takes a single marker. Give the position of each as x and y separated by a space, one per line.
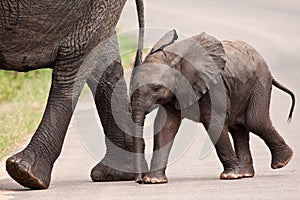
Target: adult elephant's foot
155 177
117 166
102 172
230 174
281 157
28 170
247 171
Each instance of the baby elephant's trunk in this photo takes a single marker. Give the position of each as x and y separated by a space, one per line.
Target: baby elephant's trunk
138 117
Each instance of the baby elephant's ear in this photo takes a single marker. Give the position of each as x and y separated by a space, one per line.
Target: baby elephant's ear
213 47
165 41
200 60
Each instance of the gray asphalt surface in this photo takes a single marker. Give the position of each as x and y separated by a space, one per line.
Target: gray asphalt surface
272 27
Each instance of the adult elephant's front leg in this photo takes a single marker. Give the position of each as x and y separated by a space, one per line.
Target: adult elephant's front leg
32 167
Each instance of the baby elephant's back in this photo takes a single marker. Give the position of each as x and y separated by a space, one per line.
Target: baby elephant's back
245 71
244 63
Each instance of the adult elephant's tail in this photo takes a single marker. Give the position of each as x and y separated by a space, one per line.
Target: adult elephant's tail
141 17
283 88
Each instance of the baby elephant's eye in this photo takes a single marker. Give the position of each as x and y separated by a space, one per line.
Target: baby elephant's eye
156 88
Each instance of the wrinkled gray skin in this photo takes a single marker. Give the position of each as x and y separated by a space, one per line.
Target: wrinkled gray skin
230 85
60 35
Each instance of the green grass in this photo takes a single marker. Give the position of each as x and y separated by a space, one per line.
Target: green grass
23 98
128 46
22 101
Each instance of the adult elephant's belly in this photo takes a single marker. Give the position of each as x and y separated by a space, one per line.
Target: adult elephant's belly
25 54
30 32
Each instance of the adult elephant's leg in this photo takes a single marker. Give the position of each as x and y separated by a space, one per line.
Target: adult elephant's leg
165 128
110 93
32 167
118 161
242 149
259 122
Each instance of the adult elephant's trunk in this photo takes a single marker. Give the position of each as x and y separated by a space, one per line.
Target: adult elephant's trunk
138 117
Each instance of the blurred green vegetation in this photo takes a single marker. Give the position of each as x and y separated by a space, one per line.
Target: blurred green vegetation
23 98
28 86
128 46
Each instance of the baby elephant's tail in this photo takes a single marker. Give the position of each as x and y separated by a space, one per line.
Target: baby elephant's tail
283 88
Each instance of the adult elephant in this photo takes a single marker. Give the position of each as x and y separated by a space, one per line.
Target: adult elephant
77 40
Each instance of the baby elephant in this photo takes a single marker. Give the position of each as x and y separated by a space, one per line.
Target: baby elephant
224 85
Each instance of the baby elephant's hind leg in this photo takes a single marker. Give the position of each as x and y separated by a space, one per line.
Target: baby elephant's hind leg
259 122
225 153
240 137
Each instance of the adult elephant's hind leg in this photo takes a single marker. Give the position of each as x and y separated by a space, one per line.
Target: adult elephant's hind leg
242 149
32 167
118 161
110 93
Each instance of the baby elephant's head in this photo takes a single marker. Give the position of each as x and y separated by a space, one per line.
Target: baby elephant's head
178 72
152 82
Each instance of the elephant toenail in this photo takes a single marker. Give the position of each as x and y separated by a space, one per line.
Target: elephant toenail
24 166
95 178
12 159
109 178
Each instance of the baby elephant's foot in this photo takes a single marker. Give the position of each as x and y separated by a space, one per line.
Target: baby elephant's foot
247 171
29 170
230 174
281 158
156 177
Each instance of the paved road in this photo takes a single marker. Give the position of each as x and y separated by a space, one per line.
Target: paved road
271 26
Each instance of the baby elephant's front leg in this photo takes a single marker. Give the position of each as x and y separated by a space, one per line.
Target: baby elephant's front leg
163 141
